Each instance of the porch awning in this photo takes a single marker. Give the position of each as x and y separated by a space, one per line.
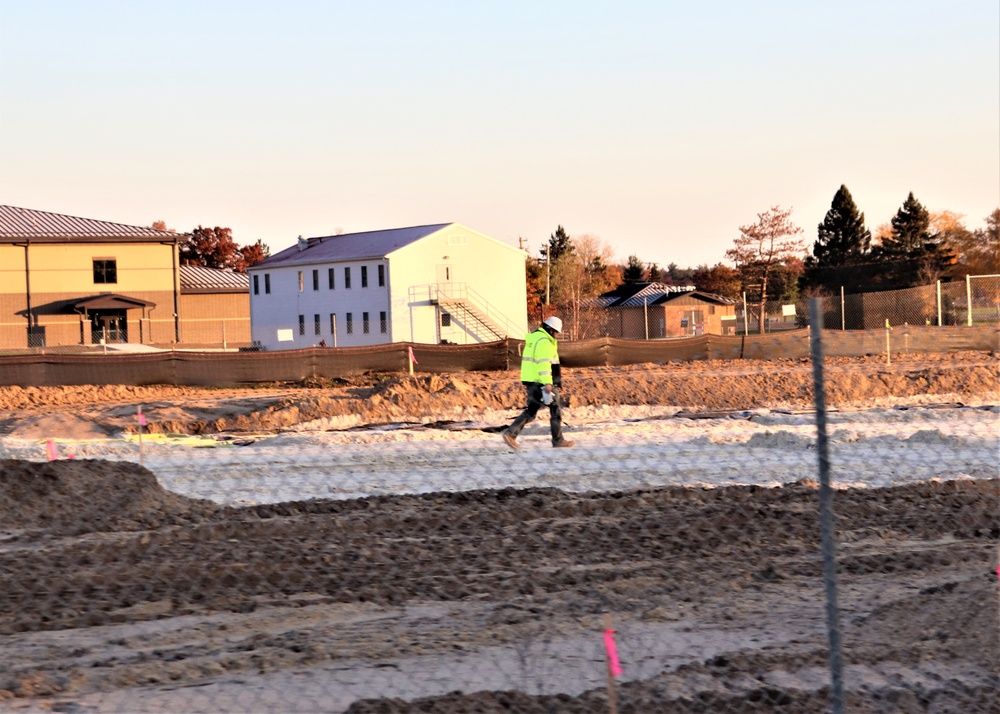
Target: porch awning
111 302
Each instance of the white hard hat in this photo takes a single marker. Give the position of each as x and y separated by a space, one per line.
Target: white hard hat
554 322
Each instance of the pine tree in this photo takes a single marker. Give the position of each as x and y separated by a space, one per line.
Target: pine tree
911 254
842 244
842 237
559 245
634 271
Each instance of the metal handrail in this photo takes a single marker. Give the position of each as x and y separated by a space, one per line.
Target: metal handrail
462 292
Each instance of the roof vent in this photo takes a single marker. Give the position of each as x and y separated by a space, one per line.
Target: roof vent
303 243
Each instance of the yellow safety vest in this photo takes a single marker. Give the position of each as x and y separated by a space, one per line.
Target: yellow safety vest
540 353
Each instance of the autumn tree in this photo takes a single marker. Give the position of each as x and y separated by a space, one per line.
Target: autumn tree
253 254
842 246
583 273
976 252
215 248
534 274
761 247
720 279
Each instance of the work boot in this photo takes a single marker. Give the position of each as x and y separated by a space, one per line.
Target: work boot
510 440
564 444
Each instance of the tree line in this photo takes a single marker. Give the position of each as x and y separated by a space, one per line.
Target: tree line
769 260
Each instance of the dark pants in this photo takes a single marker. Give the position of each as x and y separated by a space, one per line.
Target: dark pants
534 404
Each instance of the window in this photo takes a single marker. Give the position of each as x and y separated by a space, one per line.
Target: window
256 285
329 278
267 283
381 276
301 288
364 322
445 319
316 282
347 278
364 276
350 324
105 270
302 322
316 324
383 322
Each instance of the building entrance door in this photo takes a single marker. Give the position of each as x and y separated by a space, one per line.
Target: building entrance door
110 326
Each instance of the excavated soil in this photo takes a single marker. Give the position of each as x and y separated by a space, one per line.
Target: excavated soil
97 411
108 582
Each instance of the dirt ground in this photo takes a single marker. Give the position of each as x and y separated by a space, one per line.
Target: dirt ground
83 412
111 586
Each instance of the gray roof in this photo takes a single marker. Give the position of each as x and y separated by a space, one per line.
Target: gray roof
637 294
23 223
198 279
349 246
697 294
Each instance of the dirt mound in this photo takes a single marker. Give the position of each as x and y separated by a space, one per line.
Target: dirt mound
85 496
94 411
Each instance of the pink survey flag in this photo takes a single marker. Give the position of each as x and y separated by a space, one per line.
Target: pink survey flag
412 358
142 418
51 445
609 644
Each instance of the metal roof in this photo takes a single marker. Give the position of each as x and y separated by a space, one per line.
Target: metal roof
707 297
24 223
349 246
636 294
196 278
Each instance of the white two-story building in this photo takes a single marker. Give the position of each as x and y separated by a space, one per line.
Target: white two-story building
442 283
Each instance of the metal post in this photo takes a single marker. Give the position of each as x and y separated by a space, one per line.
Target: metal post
843 320
826 509
746 327
968 297
645 315
939 303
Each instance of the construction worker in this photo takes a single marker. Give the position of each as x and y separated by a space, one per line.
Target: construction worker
540 374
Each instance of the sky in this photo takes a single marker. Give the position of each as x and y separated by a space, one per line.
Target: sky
658 127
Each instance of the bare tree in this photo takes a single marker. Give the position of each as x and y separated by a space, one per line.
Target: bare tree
581 274
762 247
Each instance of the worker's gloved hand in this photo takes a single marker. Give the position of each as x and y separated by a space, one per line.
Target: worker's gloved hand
547 394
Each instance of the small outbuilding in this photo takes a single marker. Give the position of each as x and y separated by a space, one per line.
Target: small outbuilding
653 310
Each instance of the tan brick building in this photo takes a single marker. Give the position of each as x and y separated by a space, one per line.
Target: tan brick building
66 280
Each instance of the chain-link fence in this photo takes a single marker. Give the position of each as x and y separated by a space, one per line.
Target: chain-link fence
696 552
974 301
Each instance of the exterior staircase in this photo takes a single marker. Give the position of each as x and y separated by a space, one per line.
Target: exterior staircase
466 305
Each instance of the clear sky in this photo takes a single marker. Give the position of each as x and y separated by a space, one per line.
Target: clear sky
659 127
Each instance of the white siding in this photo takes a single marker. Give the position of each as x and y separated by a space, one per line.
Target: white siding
490 268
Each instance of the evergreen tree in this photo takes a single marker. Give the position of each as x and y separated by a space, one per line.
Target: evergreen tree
842 245
911 254
559 245
634 271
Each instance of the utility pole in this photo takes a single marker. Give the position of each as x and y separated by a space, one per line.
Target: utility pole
548 264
